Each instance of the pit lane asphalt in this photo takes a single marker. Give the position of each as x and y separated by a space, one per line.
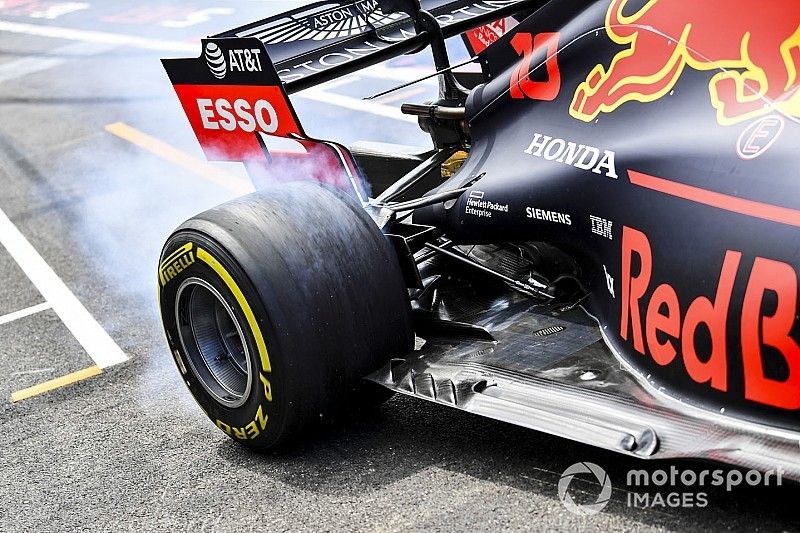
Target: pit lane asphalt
128 449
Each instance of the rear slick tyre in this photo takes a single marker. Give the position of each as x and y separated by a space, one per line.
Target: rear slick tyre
276 305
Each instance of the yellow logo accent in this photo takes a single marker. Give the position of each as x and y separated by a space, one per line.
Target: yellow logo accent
755 47
175 263
250 431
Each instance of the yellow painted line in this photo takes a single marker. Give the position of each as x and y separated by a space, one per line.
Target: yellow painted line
57 383
173 155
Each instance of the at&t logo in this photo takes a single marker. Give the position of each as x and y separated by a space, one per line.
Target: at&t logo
216 61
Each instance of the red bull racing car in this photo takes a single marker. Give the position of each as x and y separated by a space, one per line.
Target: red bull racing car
602 243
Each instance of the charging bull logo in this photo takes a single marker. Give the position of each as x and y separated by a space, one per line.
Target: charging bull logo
753 46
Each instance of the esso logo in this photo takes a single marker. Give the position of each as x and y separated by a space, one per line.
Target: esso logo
242 115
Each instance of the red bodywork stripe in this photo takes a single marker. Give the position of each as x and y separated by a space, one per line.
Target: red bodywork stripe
773 213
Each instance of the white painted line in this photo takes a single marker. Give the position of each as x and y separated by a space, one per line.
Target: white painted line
315 93
346 80
402 74
348 102
22 313
29 372
405 95
380 71
94 339
90 36
321 93
30 65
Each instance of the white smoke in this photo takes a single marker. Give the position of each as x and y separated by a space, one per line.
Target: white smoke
131 199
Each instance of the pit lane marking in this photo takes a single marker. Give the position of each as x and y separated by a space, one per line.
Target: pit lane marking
314 93
321 93
22 313
170 153
403 74
86 330
31 65
91 36
356 104
28 65
29 372
339 82
379 71
56 383
401 96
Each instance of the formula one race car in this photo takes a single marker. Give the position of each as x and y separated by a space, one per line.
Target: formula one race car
603 243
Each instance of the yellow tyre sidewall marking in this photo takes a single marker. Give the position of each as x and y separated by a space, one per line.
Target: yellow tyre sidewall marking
243 305
186 248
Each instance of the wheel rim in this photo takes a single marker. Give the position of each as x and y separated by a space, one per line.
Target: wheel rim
213 342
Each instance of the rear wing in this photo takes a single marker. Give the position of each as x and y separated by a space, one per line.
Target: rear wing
240 111
235 94
326 40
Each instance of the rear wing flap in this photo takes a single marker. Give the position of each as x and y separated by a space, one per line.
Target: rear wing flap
326 40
